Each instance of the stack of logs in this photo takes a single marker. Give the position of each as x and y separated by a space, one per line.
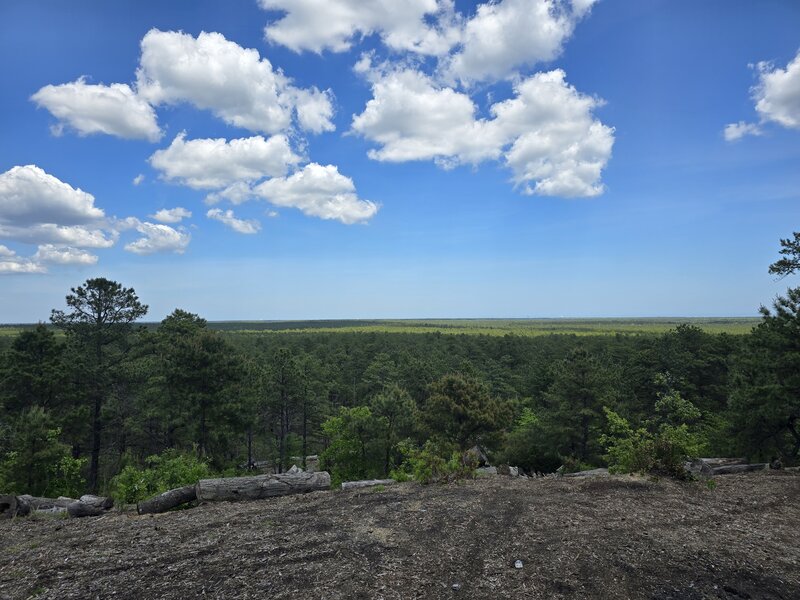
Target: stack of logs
205 490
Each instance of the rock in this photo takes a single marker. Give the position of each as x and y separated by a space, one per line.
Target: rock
698 468
294 470
456 586
486 471
506 470
518 564
776 464
312 463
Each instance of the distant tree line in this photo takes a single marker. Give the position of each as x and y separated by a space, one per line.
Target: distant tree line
97 394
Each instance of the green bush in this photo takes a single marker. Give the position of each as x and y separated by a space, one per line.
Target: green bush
356 447
40 464
663 444
162 472
662 452
434 463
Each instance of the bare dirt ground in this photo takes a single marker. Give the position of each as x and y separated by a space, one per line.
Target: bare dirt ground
619 537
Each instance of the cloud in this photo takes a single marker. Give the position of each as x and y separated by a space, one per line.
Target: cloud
239 225
64 255
10 263
494 43
558 148
235 83
38 208
217 163
52 233
777 95
29 195
111 109
158 238
736 131
421 26
138 179
318 191
236 193
172 215
546 134
504 36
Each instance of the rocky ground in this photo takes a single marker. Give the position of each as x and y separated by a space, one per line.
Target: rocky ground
617 537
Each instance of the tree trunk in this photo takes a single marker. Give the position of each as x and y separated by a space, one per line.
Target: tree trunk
167 500
733 469
354 485
81 509
97 501
261 486
94 465
10 507
20 506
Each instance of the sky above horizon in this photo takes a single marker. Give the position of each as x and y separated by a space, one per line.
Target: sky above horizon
324 159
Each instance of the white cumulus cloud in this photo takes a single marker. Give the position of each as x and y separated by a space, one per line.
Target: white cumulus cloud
217 163
38 208
158 238
504 36
10 263
777 94
422 26
227 218
111 109
138 179
318 191
233 82
64 255
546 133
29 195
736 131
776 97
171 215
499 39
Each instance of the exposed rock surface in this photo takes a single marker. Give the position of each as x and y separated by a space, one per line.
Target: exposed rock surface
612 538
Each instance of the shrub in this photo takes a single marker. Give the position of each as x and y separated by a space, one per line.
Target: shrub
162 472
356 447
434 463
663 444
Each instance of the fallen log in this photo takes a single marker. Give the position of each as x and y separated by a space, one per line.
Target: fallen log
10 507
80 509
261 486
723 462
49 505
354 485
167 500
590 473
733 469
97 501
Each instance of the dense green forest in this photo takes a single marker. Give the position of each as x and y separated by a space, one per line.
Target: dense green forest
97 402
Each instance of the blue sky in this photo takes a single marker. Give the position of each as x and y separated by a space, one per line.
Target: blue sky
525 158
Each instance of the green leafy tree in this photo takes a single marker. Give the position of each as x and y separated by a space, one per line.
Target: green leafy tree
581 386
398 411
765 404
462 411
356 443
200 369
39 464
790 263
98 322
